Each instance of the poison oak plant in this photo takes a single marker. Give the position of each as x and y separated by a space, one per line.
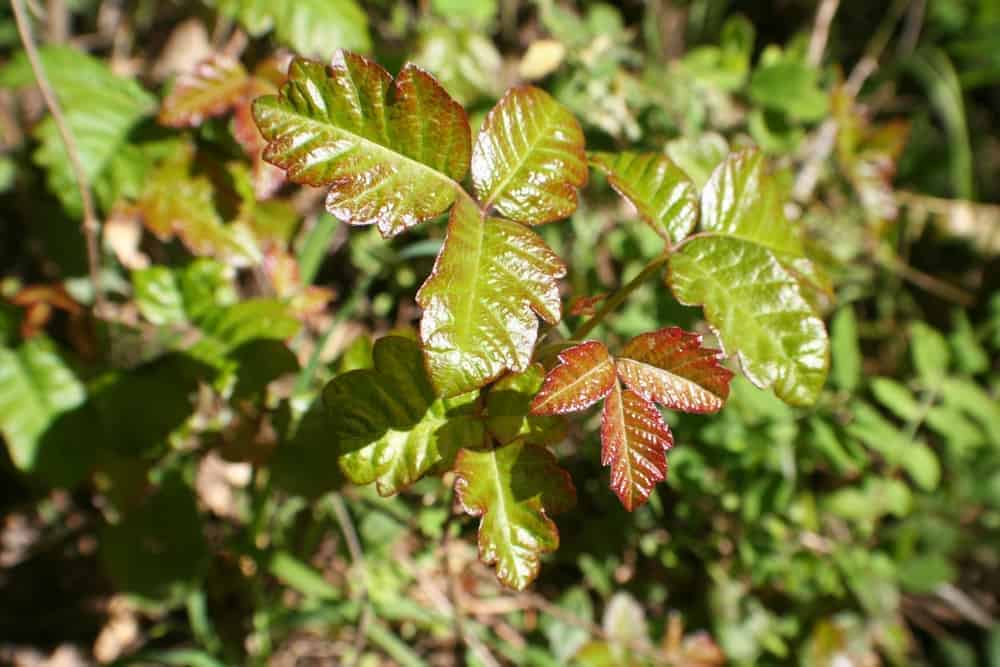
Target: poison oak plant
470 395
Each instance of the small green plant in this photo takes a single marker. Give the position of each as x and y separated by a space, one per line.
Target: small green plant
469 396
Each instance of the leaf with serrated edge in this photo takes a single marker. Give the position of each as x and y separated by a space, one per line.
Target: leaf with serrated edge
670 367
514 489
508 406
390 152
660 191
750 274
529 160
478 301
634 442
585 375
388 425
212 88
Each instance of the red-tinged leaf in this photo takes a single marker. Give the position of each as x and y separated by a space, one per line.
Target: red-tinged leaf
671 367
585 375
529 160
635 440
175 203
391 153
480 302
514 489
660 191
267 178
585 306
214 87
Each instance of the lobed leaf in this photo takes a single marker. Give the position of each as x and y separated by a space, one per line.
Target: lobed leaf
100 108
751 275
670 367
529 160
514 489
585 375
478 301
390 152
387 423
212 88
634 442
508 409
660 191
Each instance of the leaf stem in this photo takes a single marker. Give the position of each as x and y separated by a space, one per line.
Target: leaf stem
616 299
91 226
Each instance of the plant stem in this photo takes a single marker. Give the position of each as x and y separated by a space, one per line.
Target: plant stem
619 297
358 561
91 226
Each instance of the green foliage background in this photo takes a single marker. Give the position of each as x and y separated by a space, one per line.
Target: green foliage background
169 473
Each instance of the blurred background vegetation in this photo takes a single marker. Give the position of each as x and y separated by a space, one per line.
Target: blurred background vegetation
167 493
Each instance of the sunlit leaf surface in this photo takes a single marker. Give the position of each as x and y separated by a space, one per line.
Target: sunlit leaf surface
529 161
480 303
389 151
515 489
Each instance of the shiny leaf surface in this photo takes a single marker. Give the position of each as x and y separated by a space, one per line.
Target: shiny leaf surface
515 489
489 281
387 424
585 375
668 366
212 88
659 190
529 161
671 367
390 152
751 276
634 442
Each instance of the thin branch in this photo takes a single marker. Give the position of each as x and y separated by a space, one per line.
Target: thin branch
823 141
616 299
821 31
358 560
454 598
91 226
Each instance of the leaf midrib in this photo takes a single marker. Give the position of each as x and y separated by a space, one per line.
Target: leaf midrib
604 362
678 378
532 145
374 146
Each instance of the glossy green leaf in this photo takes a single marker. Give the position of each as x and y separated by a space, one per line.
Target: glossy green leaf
310 27
36 387
529 160
661 193
489 281
515 489
100 107
508 406
390 152
387 423
748 272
